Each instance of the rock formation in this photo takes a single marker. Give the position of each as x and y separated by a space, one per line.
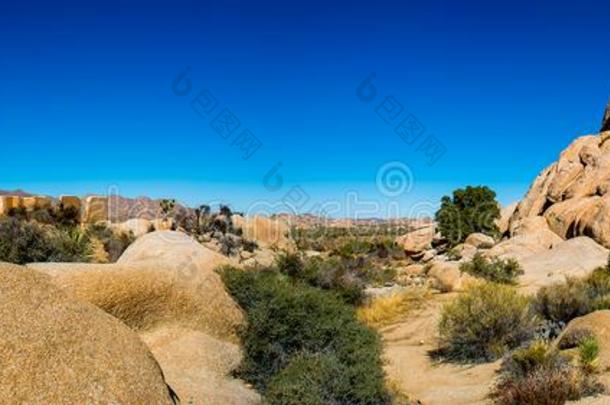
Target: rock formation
572 193
165 287
70 201
59 350
267 232
96 209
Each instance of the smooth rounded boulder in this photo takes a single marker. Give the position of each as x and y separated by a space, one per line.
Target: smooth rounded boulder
58 350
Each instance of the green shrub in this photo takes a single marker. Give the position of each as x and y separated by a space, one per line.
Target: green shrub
309 379
484 322
473 209
68 245
588 352
288 318
496 270
290 264
541 374
574 297
24 242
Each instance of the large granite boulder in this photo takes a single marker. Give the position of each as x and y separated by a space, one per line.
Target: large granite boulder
58 350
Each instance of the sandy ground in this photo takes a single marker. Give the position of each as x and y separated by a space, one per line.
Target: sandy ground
409 365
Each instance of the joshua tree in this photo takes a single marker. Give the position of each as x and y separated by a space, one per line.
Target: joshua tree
606 120
167 207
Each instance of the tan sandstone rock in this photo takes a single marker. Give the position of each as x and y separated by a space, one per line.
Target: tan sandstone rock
479 240
165 287
505 214
418 240
9 202
530 235
572 194
162 278
96 209
57 350
38 202
267 232
198 367
70 201
137 226
598 323
447 276
574 257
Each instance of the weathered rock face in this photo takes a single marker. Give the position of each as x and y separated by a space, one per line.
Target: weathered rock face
96 209
417 241
55 349
70 201
479 240
9 202
162 278
267 232
575 257
505 214
596 323
572 194
447 277
530 235
38 202
137 226
165 288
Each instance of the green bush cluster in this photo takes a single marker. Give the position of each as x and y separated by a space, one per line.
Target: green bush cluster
470 210
496 270
24 242
541 374
574 297
344 276
303 345
485 322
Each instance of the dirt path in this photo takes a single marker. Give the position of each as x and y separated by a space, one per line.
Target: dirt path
407 344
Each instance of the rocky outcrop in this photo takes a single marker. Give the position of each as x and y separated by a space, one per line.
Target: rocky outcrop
572 194
162 278
418 240
137 226
595 323
37 202
530 235
71 201
267 232
571 258
55 349
447 277
165 287
198 367
479 240
96 209
505 214
9 202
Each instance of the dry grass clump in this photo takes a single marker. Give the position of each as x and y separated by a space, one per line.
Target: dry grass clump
147 296
383 311
541 374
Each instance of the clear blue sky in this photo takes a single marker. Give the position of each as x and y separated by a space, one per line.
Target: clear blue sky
87 101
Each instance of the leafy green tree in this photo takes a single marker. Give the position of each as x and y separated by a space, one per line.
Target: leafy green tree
473 209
